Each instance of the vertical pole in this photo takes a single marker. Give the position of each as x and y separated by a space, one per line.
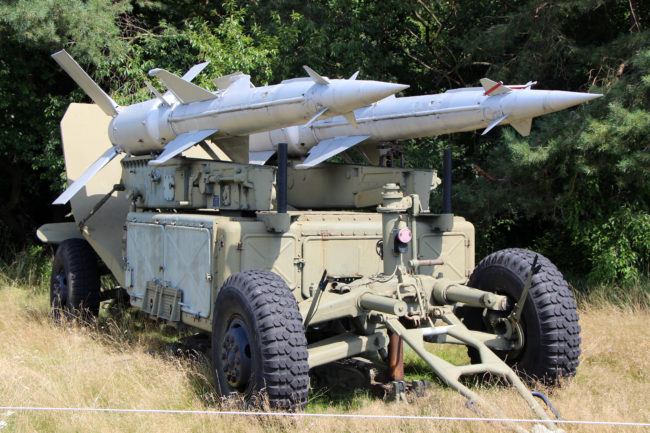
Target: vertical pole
395 356
446 182
282 178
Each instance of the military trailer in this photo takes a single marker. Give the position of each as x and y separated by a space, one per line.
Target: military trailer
286 270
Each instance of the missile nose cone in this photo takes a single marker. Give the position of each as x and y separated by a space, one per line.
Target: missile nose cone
344 96
376 90
559 100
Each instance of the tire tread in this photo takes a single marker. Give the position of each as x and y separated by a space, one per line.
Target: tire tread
284 345
556 308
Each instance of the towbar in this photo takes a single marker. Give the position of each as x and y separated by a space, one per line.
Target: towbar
383 304
446 292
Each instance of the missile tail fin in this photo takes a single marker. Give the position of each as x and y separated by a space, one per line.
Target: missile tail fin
495 123
330 147
74 188
260 158
184 91
236 80
493 88
354 76
523 126
318 79
236 148
157 94
181 143
84 81
194 71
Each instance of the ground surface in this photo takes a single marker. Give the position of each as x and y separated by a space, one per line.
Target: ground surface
121 364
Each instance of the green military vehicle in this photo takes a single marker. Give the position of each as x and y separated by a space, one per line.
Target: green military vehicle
286 270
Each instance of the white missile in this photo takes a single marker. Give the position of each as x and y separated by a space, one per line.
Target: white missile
188 114
394 119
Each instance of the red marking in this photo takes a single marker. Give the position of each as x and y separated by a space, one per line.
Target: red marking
499 84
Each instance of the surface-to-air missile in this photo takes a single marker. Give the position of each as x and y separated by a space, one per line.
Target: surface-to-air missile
187 114
394 119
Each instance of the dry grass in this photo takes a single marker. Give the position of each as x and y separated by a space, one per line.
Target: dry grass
45 365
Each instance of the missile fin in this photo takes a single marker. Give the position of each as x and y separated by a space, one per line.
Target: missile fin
181 143
184 91
236 80
84 81
351 119
194 71
82 180
354 76
523 126
316 116
493 88
318 79
242 83
236 148
157 94
260 158
330 147
189 76
495 123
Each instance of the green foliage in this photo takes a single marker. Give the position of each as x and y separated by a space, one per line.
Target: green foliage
30 267
620 247
86 28
577 188
33 99
107 38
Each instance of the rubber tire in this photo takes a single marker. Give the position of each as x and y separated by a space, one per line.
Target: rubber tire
75 264
550 320
279 367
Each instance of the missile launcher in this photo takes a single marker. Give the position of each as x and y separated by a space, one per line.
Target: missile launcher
279 269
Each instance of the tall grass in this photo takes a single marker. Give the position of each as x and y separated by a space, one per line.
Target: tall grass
119 362
31 268
631 296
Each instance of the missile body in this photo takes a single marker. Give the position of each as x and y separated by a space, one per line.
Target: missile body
187 114
149 126
394 119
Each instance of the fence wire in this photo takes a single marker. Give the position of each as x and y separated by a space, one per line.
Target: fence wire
317 415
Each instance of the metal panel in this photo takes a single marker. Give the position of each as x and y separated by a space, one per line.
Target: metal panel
342 256
144 252
450 247
83 131
275 253
188 263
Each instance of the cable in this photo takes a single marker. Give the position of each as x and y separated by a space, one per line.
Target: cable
317 415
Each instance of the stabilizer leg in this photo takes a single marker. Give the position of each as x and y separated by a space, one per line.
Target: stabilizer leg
450 374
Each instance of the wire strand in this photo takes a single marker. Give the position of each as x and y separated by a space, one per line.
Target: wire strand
318 415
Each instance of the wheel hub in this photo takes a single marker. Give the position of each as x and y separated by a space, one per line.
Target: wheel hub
507 328
60 290
236 355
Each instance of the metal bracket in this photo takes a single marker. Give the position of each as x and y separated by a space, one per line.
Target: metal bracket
100 203
519 306
162 301
316 299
